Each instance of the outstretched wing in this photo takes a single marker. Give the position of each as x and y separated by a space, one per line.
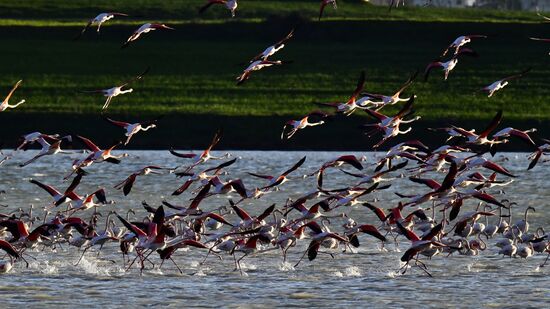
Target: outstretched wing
13 90
89 144
296 166
140 76
492 125
117 123
84 29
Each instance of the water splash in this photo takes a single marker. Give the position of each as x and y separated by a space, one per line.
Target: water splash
352 271
286 266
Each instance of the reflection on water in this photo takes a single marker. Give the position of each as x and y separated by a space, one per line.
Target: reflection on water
367 277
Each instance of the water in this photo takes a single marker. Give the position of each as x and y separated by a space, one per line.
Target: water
367 277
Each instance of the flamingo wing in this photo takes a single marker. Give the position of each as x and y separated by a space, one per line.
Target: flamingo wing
492 125
89 144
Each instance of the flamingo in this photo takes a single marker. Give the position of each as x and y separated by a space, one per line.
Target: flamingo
351 105
133 128
86 202
376 177
390 125
256 66
5 104
26 140
271 50
318 237
337 162
352 232
419 245
523 224
100 239
461 41
166 253
482 137
200 176
395 98
46 150
145 28
279 180
523 135
204 156
231 5
117 90
303 123
448 66
535 156
57 196
6 266
128 183
248 247
99 20
501 83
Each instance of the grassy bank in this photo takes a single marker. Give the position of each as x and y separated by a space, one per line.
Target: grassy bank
59 12
193 68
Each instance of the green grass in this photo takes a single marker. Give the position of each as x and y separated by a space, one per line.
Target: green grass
64 12
193 69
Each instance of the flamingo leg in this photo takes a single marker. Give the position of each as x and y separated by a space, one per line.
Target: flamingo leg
171 259
80 259
239 263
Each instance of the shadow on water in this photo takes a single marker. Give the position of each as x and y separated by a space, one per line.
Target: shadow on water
240 133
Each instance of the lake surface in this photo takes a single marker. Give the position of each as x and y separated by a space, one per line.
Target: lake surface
366 278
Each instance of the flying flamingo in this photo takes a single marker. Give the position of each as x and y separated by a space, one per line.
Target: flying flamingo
231 5
31 138
204 156
275 181
46 150
482 137
117 90
145 28
448 66
271 50
535 156
5 104
200 176
86 202
128 183
256 66
55 194
337 162
395 98
419 245
133 128
99 20
6 266
461 41
349 107
523 135
318 237
302 124
499 84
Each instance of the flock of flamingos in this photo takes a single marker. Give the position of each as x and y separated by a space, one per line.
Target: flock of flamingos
456 209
